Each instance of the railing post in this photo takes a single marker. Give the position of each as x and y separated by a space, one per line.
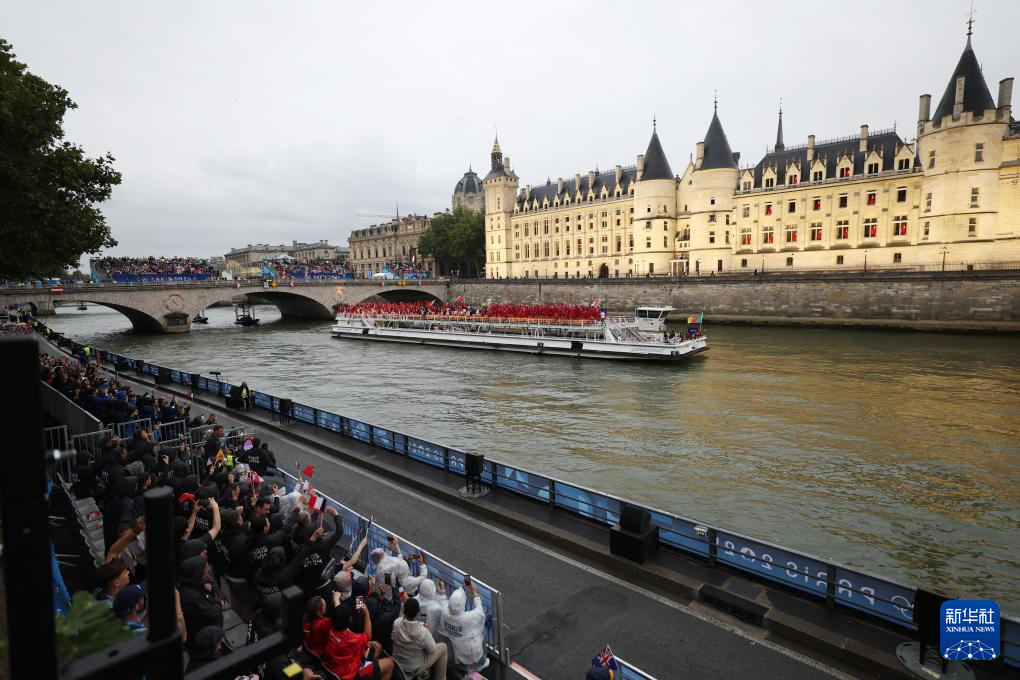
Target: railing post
713 547
446 458
830 585
504 651
552 494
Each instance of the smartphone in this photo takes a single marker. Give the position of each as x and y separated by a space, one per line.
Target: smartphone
386 579
467 580
359 602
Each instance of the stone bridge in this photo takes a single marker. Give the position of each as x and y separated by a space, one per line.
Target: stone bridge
169 308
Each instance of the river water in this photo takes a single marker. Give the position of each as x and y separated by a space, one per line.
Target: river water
894 453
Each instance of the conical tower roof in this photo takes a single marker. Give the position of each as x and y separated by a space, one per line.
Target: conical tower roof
656 165
976 96
717 148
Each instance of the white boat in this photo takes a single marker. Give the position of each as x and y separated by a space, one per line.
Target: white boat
638 337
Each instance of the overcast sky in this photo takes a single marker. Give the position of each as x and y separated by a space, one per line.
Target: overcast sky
244 122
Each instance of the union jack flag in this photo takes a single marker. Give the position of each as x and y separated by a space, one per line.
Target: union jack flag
605 659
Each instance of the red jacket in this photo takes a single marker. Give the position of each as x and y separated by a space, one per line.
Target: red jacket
345 651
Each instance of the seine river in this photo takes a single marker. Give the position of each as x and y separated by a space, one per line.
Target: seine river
895 453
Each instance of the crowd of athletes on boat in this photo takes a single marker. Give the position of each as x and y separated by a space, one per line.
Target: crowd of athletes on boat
497 310
240 538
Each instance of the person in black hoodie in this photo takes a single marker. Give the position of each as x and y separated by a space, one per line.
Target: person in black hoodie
200 598
311 578
276 573
263 540
206 647
120 507
384 608
232 544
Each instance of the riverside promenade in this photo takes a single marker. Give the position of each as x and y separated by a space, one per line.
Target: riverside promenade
565 596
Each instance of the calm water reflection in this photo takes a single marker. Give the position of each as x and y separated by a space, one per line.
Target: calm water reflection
892 452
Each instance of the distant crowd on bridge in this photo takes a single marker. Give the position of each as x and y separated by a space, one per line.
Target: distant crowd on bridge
151 269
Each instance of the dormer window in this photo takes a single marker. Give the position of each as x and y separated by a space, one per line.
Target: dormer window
747 186
872 168
844 172
792 179
816 176
769 182
903 164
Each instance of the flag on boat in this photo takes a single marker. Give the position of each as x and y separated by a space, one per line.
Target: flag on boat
605 659
317 503
459 298
597 303
696 319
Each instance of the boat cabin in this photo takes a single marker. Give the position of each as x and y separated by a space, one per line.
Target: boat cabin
652 319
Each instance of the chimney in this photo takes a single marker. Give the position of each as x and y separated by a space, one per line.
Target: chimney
958 99
577 182
559 185
864 139
619 174
1005 93
640 166
527 192
810 148
699 155
924 109
591 180
506 164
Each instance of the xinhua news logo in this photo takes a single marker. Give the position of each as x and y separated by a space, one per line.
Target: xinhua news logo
970 630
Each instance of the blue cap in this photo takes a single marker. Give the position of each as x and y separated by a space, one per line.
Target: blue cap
128 597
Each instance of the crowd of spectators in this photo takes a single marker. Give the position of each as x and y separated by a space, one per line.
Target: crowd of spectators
500 310
241 538
407 270
151 266
313 269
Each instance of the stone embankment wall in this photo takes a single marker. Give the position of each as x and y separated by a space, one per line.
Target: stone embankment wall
955 301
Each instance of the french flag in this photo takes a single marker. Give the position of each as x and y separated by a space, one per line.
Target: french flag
317 503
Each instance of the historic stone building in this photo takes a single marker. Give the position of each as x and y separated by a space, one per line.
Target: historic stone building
868 200
247 261
469 192
387 245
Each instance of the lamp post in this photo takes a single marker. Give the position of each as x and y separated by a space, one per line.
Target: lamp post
944 251
865 260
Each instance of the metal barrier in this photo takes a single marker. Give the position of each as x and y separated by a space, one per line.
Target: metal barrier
66 412
56 437
128 428
90 444
165 432
821 579
630 672
439 570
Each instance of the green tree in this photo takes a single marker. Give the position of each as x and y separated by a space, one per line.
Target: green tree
456 241
49 188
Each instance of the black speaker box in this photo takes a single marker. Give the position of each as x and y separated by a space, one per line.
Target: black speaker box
928 610
474 463
635 519
235 391
233 402
287 407
194 382
163 376
636 546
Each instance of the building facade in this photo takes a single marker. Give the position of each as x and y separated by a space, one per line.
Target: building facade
390 245
246 261
469 192
866 200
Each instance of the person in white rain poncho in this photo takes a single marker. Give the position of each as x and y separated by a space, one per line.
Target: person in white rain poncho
432 603
465 629
397 568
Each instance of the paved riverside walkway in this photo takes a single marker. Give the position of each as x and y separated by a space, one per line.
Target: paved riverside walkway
560 606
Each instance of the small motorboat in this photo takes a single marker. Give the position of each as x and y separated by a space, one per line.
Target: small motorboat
244 317
200 318
82 307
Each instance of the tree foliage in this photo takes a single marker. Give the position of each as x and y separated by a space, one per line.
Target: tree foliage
49 188
456 241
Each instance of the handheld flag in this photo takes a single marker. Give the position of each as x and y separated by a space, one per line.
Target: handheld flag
184 497
317 503
597 303
696 319
459 298
605 659
308 471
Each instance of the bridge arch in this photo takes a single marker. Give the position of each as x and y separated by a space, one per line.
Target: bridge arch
395 294
291 303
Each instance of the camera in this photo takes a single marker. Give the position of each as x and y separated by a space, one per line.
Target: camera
204 502
467 580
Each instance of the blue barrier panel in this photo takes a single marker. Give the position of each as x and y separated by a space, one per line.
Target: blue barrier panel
587 503
357 430
775 564
382 437
185 378
202 383
305 414
525 483
266 401
489 472
329 421
875 596
225 389
426 452
457 461
684 534
175 375
1011 642
630 672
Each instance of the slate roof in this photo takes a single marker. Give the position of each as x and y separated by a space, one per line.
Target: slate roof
656 165
717 153
831 152
976 96
602 179
469 183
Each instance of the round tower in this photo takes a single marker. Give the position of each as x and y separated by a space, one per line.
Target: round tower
960 150
500 190
707 200
654 229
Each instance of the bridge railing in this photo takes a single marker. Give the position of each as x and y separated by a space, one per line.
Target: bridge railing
824 580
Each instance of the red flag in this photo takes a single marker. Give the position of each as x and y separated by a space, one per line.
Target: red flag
308 471
186 497
317 503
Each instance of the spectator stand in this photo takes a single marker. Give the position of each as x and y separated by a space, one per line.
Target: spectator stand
439 570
